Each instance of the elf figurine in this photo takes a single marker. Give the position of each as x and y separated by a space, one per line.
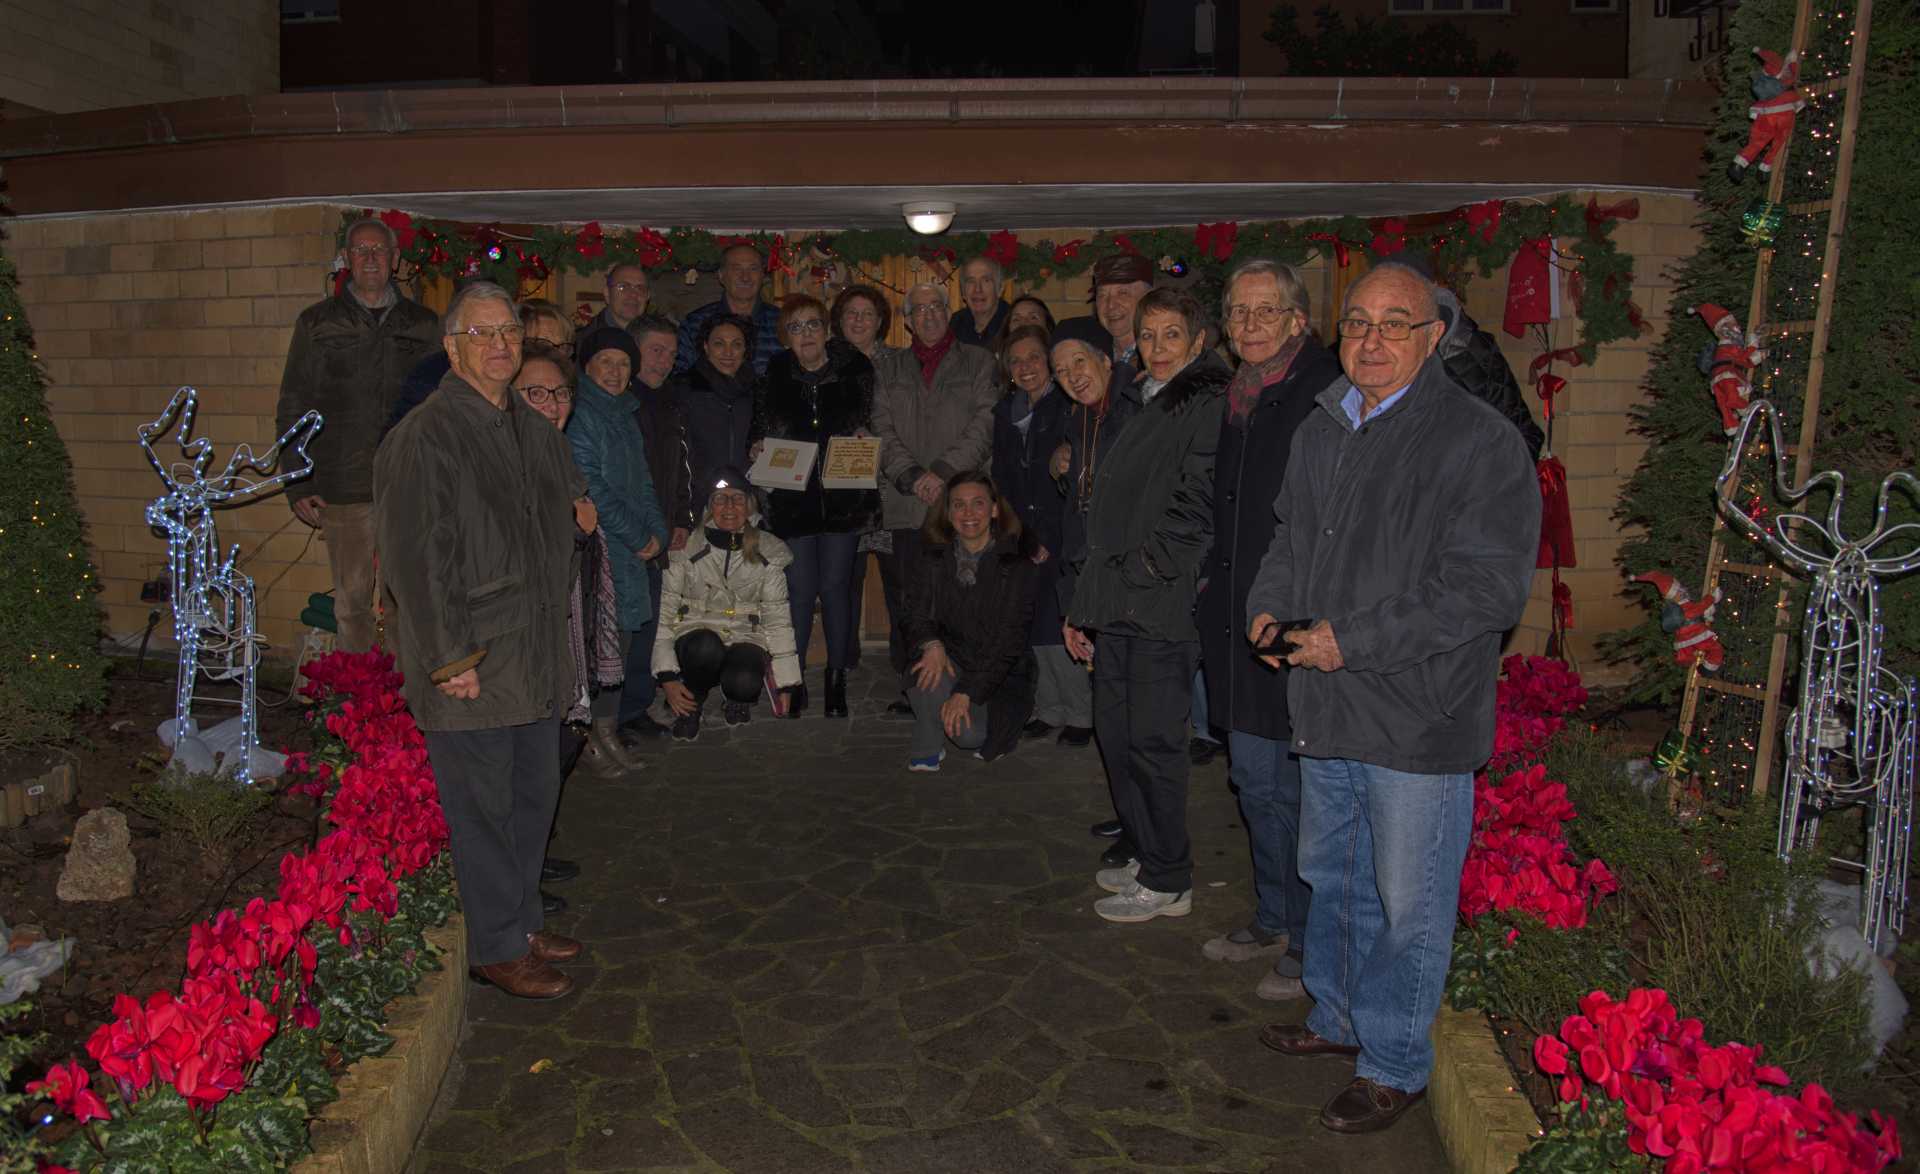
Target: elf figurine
1688 621
1775 103
1730 364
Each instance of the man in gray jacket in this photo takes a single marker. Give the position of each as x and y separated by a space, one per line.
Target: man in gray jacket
1408 522
933 411
473 510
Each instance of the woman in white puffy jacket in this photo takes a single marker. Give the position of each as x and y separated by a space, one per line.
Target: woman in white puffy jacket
724 618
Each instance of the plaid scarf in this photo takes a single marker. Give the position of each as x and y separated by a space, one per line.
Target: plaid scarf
1253 378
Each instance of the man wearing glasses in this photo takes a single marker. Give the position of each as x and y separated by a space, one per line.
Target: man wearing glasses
933 411
628 292
1407 527
474 513
350 354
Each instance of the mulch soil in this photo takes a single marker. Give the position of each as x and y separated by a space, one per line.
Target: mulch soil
138 945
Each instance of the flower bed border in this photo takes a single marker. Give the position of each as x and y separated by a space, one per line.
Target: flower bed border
385 1100
1485 1122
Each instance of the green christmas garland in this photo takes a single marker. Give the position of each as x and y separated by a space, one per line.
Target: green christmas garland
1485 236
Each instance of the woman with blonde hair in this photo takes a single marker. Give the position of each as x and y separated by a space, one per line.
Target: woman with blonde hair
723 612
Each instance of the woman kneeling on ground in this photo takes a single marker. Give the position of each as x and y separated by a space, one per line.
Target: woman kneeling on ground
968 605
723 612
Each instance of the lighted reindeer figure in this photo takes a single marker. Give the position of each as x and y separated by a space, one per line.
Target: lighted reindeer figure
213 606
1852 738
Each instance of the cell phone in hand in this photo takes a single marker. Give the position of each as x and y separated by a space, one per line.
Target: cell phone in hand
1272 640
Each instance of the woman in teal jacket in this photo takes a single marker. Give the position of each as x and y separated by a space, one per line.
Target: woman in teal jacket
612 454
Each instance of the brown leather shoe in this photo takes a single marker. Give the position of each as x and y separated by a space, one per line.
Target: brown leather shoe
1367 1107
1293 1039
552 947
524 978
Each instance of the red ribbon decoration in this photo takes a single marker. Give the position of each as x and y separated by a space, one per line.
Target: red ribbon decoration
402 226
1389 236
1216 240
1562 604
653 248
1339 246
1556 516
777 256
1546 387
1068 251
589 242
1003 249
1484 218
1599 214
1125 244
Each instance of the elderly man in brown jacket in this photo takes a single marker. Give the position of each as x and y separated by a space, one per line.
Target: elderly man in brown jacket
933 410
473 499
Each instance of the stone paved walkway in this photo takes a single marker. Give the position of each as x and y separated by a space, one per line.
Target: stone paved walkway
803 958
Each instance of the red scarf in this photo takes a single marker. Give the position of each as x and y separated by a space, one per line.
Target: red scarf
1254 378
930 356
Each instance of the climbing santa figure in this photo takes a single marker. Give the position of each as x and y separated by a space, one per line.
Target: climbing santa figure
1729 364
1776 101
1688 621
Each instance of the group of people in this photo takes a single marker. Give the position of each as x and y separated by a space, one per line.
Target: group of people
1156 523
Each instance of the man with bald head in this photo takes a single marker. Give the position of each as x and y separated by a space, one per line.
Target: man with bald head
1408 522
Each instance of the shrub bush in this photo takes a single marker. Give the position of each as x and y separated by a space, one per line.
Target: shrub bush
208 811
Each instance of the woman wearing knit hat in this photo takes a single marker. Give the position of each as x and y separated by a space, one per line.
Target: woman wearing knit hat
612 454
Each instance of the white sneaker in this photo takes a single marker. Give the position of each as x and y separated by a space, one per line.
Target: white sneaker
1118 880
1141 903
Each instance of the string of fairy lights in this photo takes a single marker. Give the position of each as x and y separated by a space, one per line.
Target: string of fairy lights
1727 725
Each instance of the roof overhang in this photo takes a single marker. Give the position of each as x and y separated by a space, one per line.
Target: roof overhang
1018 155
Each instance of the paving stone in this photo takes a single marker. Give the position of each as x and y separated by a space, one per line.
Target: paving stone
741 1137
952 1001
701 1076
1065 1136
906 887
614 1018
995 1091
1193 1012
1067 1001
628 1144
868 1086
615 1099
481 1085
1153 1146
1014 867
1108 1083
874 1038
690 1020
1003 1144
817 1010
1141 1041
465 1133
789 1085
935 1093
1036 1058
967 1047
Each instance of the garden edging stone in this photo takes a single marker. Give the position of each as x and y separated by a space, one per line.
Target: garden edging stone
1485 1122
385 1100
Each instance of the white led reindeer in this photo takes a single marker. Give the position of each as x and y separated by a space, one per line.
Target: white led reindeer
213 616
1852 738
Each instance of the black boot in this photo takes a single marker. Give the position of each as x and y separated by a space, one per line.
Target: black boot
797 700
836 693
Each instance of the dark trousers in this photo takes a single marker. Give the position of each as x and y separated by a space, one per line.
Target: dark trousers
706 661
637 693
1142 691
893 583
822 569
498 789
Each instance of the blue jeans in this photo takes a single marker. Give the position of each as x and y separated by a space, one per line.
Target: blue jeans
1382 850
637 693
1202 728
822 569
1267 777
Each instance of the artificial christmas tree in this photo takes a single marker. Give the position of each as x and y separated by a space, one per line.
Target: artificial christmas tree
1869 418
51 665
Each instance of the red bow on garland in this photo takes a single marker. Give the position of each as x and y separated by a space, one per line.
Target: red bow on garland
1125 244
589 242
1068 251
653 248
777 256
1556 516
1484 218
533 267
1339 246
1599 214
1216 240
1545 383
402 226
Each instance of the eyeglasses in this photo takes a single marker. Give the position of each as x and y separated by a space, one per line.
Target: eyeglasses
806 326
859 314
509 334
927 308
540 397
1392 330
369 250
629 287
1264 315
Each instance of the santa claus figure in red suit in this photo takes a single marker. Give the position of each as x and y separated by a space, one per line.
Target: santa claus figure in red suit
1688 621
1775 103
1729 366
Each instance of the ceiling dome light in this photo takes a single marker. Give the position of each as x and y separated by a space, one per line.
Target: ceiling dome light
927 219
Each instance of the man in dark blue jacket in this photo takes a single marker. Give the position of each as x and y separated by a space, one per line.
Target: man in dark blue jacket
1404 546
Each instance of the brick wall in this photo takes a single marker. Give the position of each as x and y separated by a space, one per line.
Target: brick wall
128 307
59 56
1592 436
125 309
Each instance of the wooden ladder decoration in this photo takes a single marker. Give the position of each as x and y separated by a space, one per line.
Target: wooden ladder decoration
1718 561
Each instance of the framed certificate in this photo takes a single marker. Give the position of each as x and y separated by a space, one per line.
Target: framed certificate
783 464
853 462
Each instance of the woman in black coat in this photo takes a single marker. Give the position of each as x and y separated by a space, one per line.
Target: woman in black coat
969 599
816 389
1282 369
1028 424
716 394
